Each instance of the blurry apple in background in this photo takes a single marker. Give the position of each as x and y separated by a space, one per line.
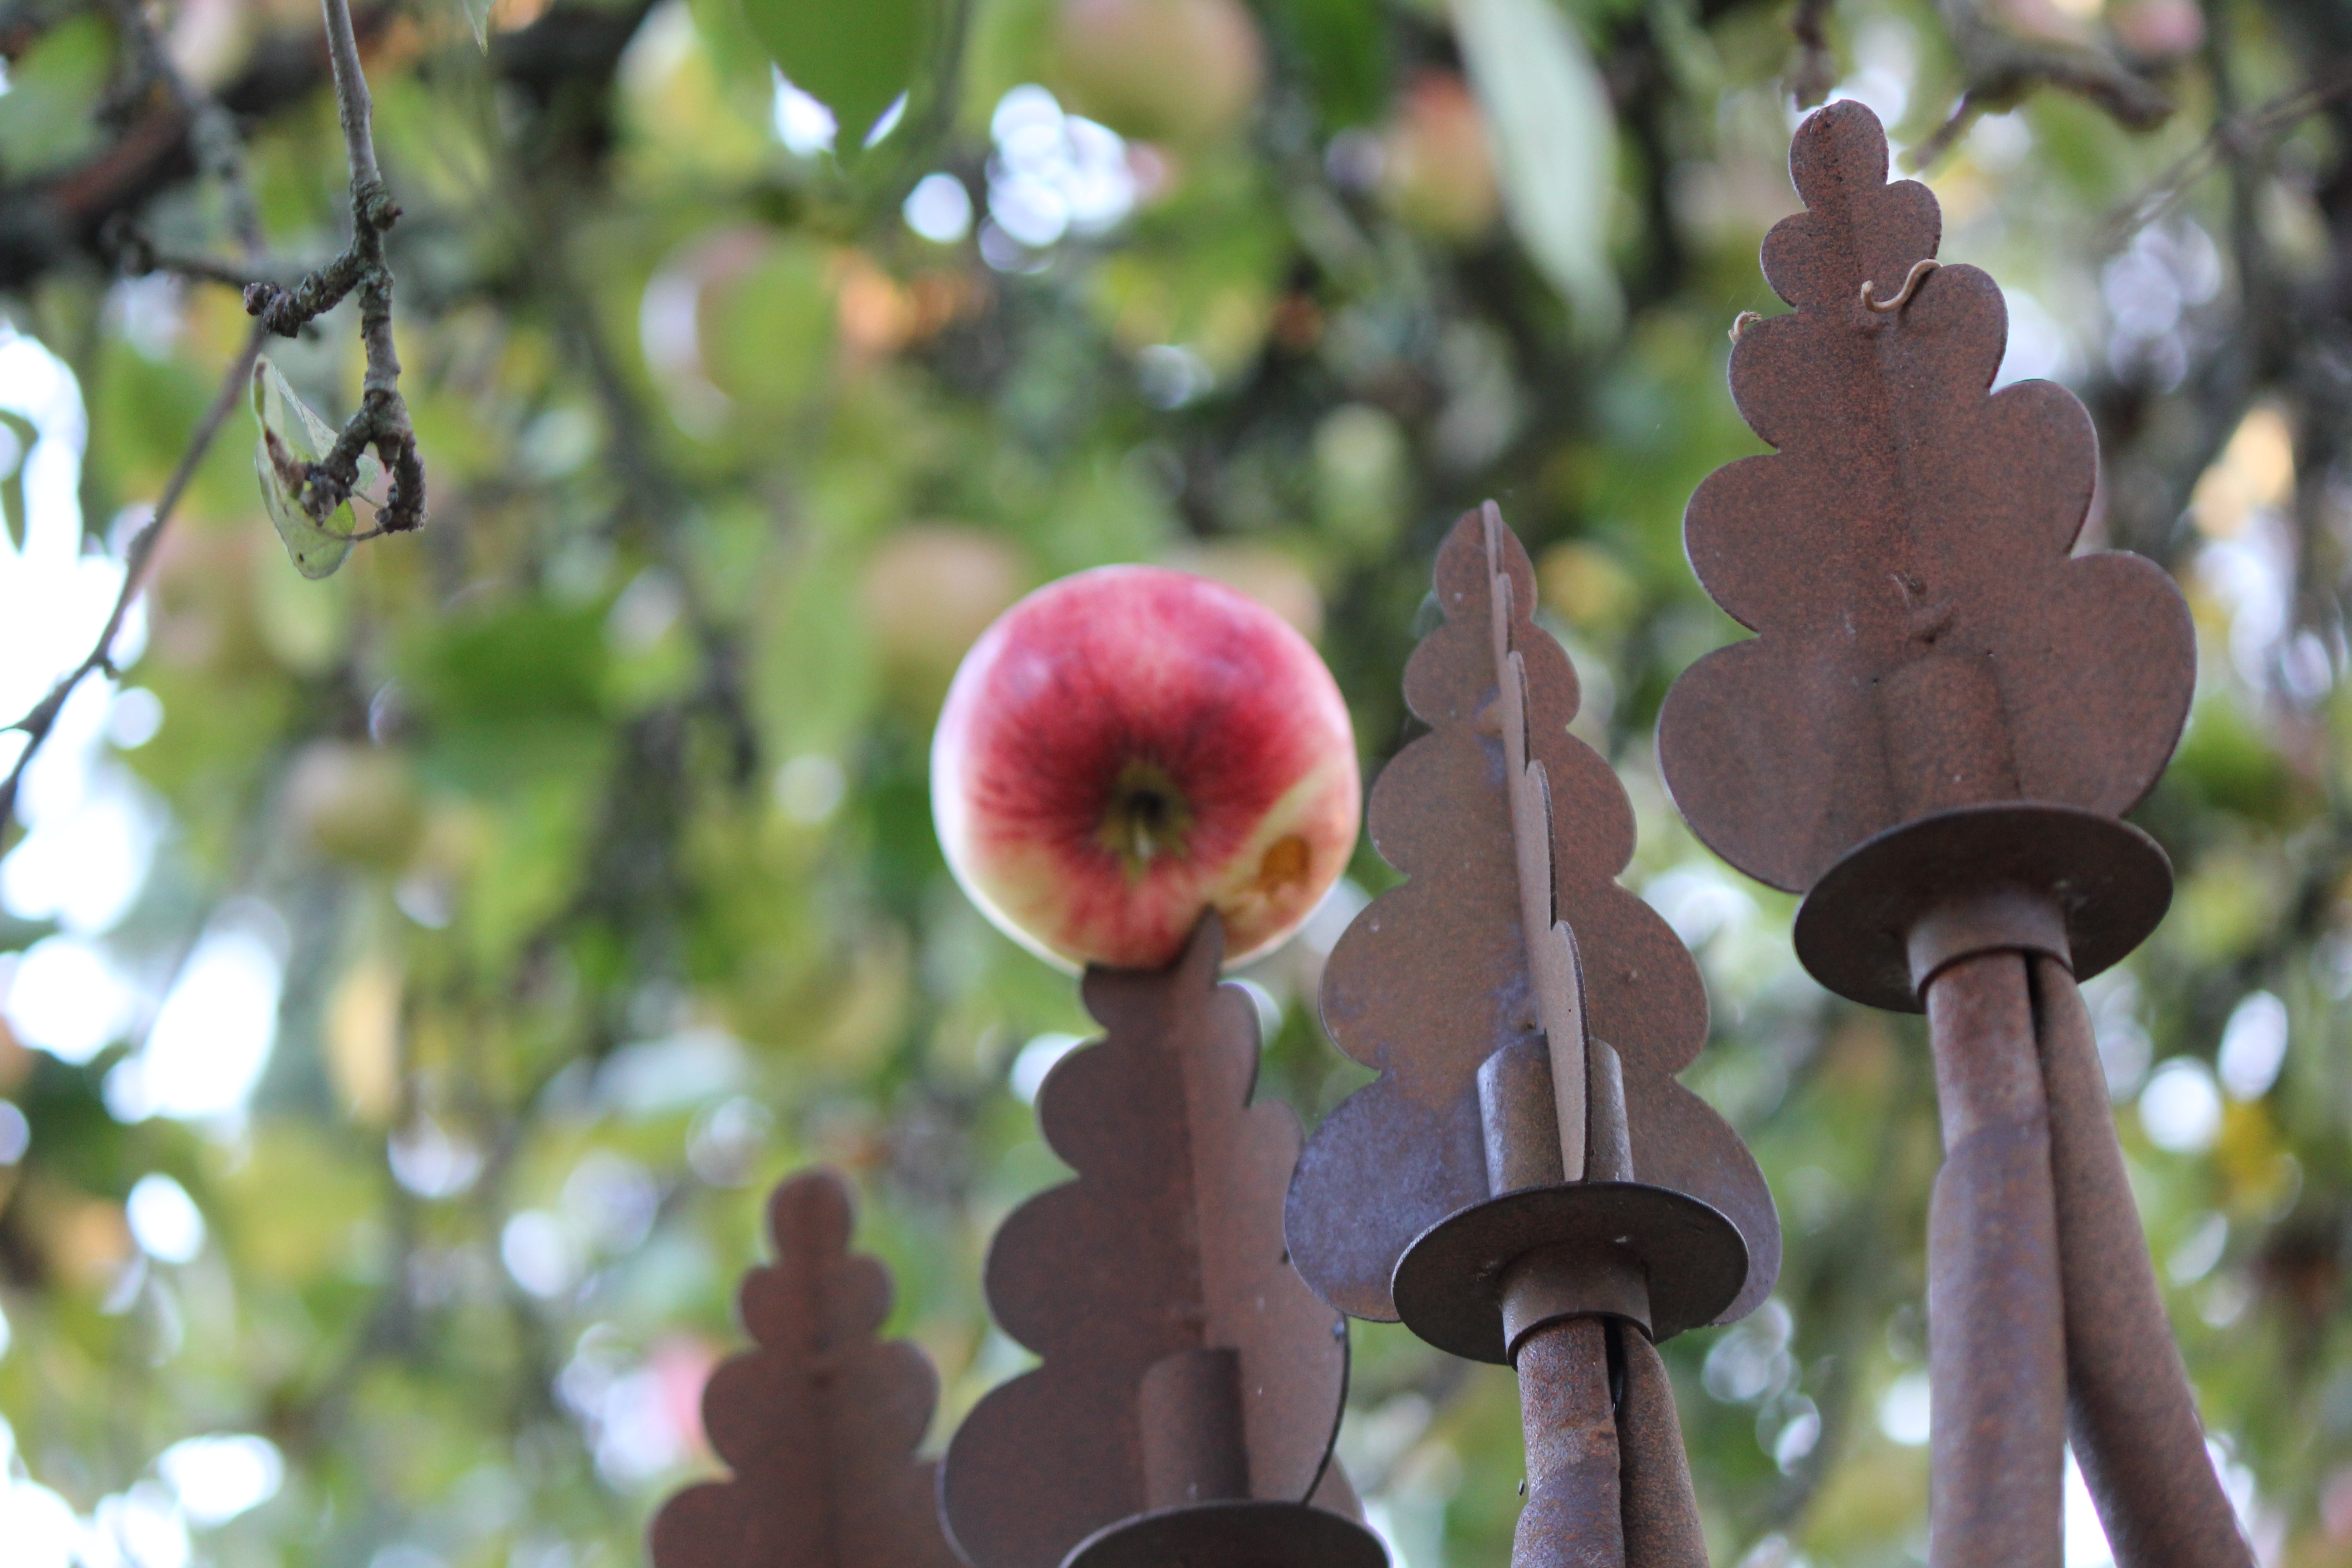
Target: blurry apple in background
929 590
2158 29
2055 21
1183 71
1257 572
356 802
1437 171
1131 746
741 317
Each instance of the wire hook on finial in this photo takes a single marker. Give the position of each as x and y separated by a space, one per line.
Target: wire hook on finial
1919 269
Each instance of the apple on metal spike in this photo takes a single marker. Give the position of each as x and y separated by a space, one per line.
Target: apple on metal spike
1131 747
1137 770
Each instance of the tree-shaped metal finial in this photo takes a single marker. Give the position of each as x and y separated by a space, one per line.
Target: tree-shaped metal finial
1512 1186
1192 1385
1934 733
820 1423
1926 643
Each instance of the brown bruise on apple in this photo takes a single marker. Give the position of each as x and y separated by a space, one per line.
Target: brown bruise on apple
1132 746
1283 867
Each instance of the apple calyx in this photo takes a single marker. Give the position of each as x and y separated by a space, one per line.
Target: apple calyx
1147 816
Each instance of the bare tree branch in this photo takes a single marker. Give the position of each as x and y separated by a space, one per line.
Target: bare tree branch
2256 131
1816 70
136 252
2003 67
43 718
380 421
212 137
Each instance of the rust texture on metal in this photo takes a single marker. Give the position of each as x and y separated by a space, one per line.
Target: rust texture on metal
1574 1496
1933 736
1925 638
1608 1480
1234 1534
2023 878
1662 1529
1996 1353
1435 977
2132 1417
1525 1182
820 1423
1184 1362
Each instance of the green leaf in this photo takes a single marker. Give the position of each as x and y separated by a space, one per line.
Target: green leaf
854 60
47 116
1555 136
477 15
1344 45
292 438
17 446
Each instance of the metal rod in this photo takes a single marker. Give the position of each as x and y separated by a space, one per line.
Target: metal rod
1996 1351
1661 1514
1191 1409
2130 1408
1514 1111
1570 1520
1608 1143
1573 1515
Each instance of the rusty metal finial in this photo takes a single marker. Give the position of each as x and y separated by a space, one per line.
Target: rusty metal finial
1927 650
1192 1385
1934 734
1511 1186
820 1423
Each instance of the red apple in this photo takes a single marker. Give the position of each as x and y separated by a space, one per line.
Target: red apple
1131 746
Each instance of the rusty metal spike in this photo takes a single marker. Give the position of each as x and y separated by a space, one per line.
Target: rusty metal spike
1550 946
1192 1385
2134 1418
1510 1186
1433 980
1937 688
820 1423
1924 640
1933 735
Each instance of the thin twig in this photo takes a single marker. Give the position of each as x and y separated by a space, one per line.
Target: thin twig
654 496
211 135
132 249
43 718
1816 70
381 422
2242 134
355 107
2001 68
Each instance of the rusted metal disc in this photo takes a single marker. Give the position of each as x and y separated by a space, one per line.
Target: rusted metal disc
2110 882
1449 1284
1232 1534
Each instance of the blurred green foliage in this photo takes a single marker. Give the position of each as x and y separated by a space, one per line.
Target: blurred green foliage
474 935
